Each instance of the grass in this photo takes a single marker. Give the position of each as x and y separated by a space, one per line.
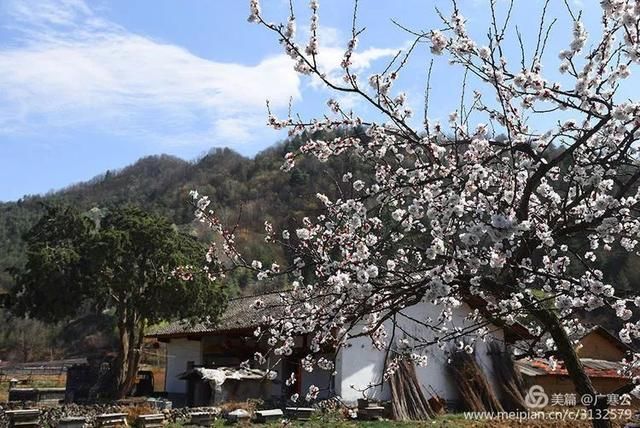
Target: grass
323 424
445 421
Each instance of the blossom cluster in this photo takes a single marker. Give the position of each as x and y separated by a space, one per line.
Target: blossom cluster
520 222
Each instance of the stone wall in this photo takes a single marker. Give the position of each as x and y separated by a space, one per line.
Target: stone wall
51 415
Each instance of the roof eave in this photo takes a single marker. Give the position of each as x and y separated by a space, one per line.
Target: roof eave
200 334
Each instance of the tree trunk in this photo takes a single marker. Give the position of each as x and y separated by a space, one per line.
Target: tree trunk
122 360
574 367
131 333
566 352
133 356
25 349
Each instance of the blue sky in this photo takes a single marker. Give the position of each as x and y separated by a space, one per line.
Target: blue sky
91 85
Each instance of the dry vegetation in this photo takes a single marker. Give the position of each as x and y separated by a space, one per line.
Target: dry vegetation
31 381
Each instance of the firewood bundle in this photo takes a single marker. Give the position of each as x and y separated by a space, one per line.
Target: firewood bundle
474 388
512 388
408 402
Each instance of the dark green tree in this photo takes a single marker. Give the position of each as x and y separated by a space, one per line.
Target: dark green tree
127 261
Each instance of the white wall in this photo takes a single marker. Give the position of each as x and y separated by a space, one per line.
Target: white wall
360 364
179 352
317 377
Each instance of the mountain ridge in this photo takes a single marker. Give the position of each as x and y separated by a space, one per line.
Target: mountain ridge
254 188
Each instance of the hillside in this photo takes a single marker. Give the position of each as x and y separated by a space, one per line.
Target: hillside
254 189
246 190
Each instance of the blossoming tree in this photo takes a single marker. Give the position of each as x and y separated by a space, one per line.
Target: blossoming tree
500 210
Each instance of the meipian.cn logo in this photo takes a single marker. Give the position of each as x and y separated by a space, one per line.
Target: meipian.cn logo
536 398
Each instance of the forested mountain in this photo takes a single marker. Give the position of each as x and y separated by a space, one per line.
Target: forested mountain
244 190
240 188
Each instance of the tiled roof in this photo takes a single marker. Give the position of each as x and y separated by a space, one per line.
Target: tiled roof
239 314
607 334
522 346
593 368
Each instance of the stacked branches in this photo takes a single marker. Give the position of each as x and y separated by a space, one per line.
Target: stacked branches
475 390
511 384
408 403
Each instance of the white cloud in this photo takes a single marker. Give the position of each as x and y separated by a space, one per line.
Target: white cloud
329 58
235 128
71 67
330 54
348 101
67 67
331 51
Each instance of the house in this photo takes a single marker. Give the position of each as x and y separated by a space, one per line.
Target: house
601 354
227 345
358 367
